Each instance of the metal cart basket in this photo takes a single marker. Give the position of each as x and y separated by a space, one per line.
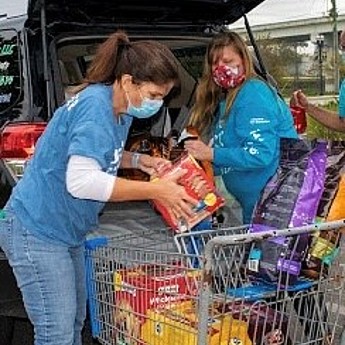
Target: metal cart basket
205 288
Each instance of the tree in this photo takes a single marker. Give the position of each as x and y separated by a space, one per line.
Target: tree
280 58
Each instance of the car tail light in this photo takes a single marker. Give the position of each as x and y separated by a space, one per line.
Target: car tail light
17 144
18 140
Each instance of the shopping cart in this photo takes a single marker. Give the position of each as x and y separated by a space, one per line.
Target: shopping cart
199 288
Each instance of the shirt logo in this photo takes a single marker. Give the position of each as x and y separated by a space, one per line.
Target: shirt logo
71 103
250 146
259 121
218 137
115 163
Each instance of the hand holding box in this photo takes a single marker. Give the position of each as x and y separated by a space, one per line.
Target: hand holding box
198 185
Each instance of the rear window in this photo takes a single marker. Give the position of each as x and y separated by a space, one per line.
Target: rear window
192 59
10 69
74 57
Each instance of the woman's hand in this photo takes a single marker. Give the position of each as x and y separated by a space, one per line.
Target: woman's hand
299 99
199 150
174 196
151 165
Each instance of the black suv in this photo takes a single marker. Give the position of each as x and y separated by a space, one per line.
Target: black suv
46 46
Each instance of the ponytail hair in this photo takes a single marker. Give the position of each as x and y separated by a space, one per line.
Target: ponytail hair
145 61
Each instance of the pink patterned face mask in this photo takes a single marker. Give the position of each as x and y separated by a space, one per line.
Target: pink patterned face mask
228 77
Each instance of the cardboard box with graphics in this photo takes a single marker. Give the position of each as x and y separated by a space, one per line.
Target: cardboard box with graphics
149 287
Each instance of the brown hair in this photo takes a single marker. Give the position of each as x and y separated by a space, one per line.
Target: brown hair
145 61
208 94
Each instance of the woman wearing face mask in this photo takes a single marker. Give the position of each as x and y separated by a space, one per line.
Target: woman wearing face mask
73 172
245 118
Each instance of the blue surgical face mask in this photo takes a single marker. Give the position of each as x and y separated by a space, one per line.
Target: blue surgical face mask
147 108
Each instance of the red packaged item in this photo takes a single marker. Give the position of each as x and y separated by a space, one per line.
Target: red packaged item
148 287
209 199
299 118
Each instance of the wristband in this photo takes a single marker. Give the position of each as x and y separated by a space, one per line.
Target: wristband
135 160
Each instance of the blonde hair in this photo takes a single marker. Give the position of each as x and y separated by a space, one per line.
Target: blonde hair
208 94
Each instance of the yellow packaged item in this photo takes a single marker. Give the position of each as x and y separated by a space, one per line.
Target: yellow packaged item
179 326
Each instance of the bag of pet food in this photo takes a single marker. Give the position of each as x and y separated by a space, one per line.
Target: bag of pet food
290 199
325 245
209 200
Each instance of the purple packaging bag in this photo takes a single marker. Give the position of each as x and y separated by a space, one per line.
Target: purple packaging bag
280 259
305 209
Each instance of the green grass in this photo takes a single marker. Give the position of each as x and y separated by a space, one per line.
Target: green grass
317 130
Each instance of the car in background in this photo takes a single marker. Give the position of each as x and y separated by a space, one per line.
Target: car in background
46 47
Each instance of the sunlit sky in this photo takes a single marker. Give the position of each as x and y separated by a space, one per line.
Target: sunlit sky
271 11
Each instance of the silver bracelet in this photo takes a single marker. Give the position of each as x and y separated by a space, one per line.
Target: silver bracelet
135 160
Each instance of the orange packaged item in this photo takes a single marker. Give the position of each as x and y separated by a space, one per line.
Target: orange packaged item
199 186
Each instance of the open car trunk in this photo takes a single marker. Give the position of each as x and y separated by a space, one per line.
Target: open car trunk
53 41
138 12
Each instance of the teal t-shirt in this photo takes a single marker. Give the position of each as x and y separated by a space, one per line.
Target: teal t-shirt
84 126
247 141
342 99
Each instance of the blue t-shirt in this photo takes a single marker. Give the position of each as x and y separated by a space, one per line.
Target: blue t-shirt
342 99
247 141
84 126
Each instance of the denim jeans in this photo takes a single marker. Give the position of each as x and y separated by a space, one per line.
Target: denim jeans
51 278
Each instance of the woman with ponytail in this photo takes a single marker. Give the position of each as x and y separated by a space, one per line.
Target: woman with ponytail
73 173
243 116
